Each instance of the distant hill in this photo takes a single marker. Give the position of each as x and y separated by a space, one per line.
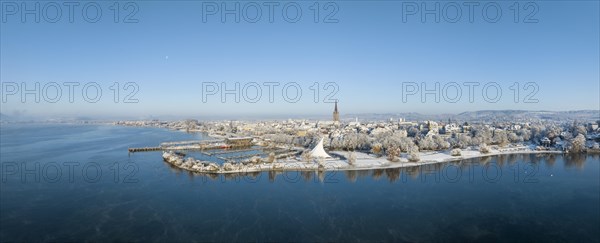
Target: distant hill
522 115
487 116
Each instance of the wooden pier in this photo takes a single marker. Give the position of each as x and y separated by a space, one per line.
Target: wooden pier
146 149
193 142
199 145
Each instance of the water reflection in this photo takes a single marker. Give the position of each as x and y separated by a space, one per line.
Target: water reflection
306 175
351 175
550 160
575 161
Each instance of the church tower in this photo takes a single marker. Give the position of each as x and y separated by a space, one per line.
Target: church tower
336 114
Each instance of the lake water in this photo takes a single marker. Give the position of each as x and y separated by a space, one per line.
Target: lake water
77 182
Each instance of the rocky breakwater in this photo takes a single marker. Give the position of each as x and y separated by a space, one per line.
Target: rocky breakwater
190 164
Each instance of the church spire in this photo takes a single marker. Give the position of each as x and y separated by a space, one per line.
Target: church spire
335 110
336 113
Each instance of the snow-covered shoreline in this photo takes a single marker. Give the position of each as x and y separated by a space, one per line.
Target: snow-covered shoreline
363 161
435 157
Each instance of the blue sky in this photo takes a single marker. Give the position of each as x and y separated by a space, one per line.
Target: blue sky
370 54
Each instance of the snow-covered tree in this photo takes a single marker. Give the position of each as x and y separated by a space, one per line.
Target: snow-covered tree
578 144
413 131
401 133
406 143
377 148
271 158
500 138
482 135
337 142
537 132
427 143
464 140
393 153
413 154
514 138
363 141
552 131
306 157
455 152
525 134
484 149
440 143
321 163
350 142
351 158
579 129
556 140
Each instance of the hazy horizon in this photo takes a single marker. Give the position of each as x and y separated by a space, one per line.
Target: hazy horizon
368 55
259 116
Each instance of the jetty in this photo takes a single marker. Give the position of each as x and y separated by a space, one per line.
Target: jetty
145 149
192 142
228 143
